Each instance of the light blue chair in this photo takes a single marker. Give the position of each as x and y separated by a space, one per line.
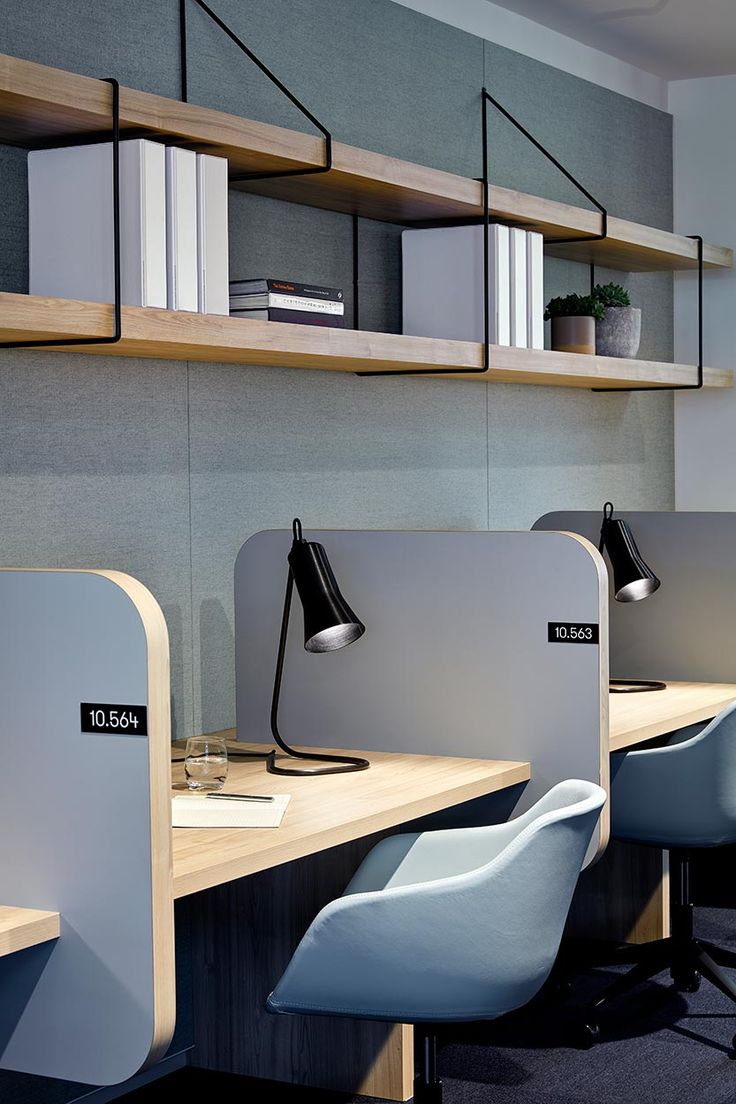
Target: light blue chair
462 924
679 795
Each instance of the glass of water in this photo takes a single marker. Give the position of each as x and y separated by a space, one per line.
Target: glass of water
205 764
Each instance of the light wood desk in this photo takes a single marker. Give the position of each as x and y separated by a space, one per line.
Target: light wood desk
264 886
21 928
329 811
635 718
626 894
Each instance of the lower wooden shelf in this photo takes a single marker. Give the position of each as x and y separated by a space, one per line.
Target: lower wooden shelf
22 927
179 335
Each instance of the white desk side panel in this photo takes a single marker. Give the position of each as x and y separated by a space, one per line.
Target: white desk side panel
75 820
684 631
454 660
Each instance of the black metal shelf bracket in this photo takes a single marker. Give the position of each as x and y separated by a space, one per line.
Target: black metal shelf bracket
117 333
309 171
698 385
485 368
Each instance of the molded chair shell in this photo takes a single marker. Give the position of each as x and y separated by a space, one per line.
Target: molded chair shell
461 924
681 794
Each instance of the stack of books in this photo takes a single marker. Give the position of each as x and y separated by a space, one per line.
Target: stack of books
286 301
173 223
443 284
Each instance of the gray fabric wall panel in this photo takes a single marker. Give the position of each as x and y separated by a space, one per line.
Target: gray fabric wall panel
378 75
381 454
94 474
340 450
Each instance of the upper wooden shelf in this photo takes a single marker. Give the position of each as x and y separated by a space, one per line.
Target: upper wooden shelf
179 335
21 928
40 105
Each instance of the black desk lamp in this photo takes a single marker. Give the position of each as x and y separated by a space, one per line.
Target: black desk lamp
329 624
633 580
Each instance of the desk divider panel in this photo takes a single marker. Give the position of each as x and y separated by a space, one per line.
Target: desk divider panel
85 821
685 631
455 659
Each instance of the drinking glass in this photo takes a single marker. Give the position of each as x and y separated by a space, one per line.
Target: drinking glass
205 765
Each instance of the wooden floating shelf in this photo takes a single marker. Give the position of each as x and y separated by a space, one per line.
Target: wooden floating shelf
21 928
178 335
41 105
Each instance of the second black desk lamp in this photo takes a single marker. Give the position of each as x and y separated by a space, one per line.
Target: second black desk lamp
633 580
329 624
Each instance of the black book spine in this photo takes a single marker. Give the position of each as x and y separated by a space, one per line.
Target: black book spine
285 287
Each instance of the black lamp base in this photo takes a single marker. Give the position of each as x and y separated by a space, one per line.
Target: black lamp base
634 686
342 764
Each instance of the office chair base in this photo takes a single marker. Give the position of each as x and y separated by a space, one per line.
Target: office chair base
688 959
427 1085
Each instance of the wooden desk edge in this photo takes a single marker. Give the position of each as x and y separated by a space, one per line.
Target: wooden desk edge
505 774
641 733
23 927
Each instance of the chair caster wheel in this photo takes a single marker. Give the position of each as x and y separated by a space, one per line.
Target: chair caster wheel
686 983
586 1034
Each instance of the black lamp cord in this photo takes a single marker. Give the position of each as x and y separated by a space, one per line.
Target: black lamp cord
343 763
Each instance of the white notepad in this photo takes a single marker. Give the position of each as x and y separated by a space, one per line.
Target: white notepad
196 811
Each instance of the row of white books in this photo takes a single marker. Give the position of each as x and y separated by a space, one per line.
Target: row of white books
442 287
173 225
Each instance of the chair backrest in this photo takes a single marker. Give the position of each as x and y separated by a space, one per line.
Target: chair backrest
680 794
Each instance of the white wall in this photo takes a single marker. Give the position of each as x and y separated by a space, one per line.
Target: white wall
516 32
704 113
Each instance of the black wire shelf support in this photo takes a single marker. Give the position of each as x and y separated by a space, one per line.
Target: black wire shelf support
309 170
117 328
700 371
485 368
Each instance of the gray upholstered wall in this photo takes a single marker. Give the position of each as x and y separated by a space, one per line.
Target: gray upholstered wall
163 469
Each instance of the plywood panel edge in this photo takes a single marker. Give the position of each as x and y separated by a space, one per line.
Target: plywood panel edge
159 751
603 670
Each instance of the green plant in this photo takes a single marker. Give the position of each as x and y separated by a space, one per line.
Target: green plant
574 306
612 295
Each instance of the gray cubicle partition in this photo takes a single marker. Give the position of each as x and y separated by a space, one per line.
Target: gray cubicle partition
686 630
455 659
85 823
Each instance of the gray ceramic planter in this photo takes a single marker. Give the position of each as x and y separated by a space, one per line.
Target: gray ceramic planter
619 332
573 334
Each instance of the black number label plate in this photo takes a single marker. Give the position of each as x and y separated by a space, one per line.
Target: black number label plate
120 720
571 632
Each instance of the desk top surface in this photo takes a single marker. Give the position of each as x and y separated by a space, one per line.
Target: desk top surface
331 810
635 718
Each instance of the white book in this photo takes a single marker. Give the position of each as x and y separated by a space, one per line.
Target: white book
517 273
443 283
535 290
181 229
213 274
70 223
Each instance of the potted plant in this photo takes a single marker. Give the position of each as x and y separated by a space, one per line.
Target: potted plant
618 332
574 320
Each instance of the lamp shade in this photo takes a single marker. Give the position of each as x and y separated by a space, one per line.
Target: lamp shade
633 579
329 622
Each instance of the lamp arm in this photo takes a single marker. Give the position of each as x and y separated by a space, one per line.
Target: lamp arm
344 763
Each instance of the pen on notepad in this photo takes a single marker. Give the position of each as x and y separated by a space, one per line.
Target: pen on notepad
239 797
